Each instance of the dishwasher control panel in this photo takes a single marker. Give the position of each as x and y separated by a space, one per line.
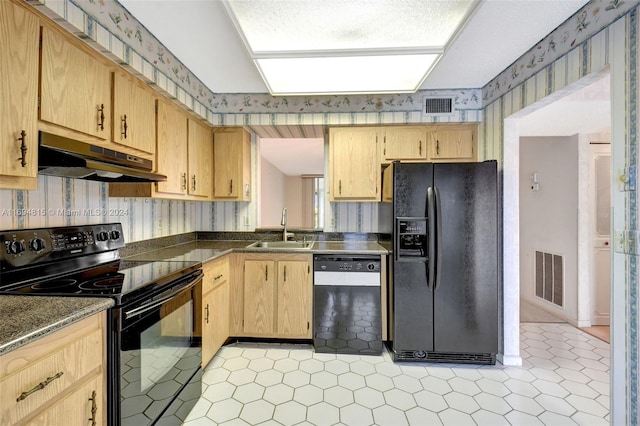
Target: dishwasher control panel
346 264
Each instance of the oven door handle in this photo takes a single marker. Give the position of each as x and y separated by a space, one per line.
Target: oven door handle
155 303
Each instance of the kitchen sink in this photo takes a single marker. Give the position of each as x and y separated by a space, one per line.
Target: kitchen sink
289 245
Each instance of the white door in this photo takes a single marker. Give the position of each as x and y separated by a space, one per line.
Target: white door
601 232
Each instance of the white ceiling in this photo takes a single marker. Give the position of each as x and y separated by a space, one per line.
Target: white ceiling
201 34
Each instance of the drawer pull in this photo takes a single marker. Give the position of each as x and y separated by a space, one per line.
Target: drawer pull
217 277
23 148
38 387
94 408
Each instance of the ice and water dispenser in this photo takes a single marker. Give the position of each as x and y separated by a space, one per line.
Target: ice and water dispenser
411 239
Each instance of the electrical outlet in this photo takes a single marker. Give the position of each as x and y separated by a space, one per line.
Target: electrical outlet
618 241
632 242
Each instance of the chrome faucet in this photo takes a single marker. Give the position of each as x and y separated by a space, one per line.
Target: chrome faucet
285 235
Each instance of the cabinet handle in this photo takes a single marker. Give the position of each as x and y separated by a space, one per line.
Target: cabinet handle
124 126
193 183
419 147
216 278
285 273
101 117
340 186
437 147
207 311
38 387
184 181
94 408
266 273
23 148
231 187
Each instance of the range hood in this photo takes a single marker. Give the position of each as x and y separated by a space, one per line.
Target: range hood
64 157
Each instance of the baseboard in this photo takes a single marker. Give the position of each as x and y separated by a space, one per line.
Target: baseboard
509 360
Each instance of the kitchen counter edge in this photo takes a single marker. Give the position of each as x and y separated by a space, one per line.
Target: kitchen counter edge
28 318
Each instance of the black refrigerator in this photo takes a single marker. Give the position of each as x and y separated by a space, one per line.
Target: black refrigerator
441 222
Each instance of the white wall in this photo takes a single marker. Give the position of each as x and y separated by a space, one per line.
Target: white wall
272 181
549 217
293 201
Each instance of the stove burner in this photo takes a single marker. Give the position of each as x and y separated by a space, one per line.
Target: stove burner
54 284
103 283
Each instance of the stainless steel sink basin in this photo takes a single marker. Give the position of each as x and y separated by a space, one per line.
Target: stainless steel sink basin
289 245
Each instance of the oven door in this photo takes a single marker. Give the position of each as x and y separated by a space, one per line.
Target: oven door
159 354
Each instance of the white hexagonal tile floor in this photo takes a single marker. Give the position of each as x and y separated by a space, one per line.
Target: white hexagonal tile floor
564 380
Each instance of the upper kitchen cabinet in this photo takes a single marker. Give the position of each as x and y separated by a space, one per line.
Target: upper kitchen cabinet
452 143
133 114
200 155
354 164
404 143
75 87
19 34
172 151
231 164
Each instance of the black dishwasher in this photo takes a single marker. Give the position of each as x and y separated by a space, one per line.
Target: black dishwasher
347 316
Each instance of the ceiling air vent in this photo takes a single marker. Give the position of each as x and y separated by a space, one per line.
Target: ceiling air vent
437 106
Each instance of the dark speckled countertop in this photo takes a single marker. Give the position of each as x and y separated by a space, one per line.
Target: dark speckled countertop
27 318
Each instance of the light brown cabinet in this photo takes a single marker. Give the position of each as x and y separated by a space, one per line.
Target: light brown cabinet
276 296
215 307
75 88
19 100
171 155
354 164
231 164
133 114
71 362
454 143
404 143
200 159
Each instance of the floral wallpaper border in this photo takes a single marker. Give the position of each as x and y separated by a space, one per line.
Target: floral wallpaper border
114 31
591 19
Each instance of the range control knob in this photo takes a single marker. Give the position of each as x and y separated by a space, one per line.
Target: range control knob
115 234
15 247
37 244
371 266
102 236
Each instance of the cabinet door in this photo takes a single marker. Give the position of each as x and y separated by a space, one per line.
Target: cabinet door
354 164
200 148
232 165
220 315
452 144
294 298
19 87
405 143
208 343
171 158
75 88
77 408
259 296
133 115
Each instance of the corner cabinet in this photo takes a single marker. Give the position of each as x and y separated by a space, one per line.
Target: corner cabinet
231 164
19 46
276 294
453 143
72 363
354 164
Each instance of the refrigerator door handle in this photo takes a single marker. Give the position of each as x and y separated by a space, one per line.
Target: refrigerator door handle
438 237
431 248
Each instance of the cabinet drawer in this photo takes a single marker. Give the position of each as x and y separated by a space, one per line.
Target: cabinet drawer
215 273
58 370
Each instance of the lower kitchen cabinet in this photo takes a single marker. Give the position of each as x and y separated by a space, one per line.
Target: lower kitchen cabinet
276 294
57 379
215 307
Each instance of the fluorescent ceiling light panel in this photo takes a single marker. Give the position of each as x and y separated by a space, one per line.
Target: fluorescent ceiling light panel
345 74
304 34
